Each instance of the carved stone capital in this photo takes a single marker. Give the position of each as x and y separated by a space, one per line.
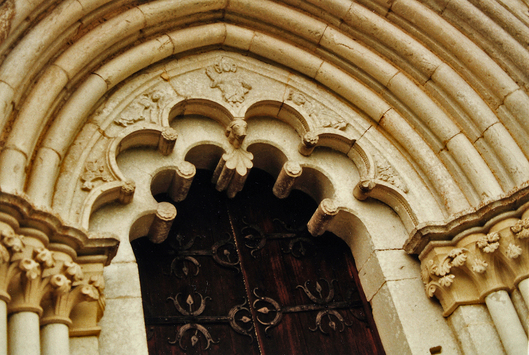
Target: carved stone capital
474 265
43 262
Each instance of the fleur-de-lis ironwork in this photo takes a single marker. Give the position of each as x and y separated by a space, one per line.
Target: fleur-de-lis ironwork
270 312
223 253
319 289
239 317
194 337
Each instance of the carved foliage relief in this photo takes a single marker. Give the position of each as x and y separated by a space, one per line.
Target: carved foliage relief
481 258
145 108
32 273
233 85
94 170
316 111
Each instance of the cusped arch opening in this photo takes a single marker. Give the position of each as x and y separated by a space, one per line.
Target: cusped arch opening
281 111
267 157
204 156
315 183
201 107
247 248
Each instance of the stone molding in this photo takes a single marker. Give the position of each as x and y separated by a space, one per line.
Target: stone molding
49 268
477 264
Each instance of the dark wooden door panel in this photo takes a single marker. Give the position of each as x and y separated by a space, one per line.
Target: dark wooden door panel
243 276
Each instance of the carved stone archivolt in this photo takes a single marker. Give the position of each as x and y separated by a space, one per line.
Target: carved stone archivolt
477 264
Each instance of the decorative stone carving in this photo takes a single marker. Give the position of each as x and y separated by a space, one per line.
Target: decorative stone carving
181 182
316 111
232 171
143 108
513 251
49 268
167 140
236 132
286 179
163 220
308 143
319 221
94 170
234 166
476 264
521 229
489 243
441 271
387 173
479 266
224 76
7 13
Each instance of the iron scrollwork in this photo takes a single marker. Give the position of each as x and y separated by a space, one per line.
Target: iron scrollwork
223 252
270 312
239 318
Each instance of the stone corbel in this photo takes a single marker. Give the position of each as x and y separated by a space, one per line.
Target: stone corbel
320 220
309 141
234 166
286 179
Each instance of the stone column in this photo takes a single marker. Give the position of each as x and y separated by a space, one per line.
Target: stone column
507 322
3 327
24 338
55 339
483 267
523 286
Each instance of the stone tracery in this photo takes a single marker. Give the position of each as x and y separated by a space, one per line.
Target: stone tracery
432 111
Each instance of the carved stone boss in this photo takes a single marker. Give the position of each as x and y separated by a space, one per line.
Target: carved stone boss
466 271
234 166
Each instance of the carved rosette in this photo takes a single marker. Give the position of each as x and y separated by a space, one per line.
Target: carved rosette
478 264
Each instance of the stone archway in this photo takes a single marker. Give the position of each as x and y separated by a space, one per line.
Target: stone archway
277 120
428 106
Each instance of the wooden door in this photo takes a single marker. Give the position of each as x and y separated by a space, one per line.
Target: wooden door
243 276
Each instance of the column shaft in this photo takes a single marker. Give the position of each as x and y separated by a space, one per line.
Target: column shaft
24 338
523 286
507 323
3 328
55 339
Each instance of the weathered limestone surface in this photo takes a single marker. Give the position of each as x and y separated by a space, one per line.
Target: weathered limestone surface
406 121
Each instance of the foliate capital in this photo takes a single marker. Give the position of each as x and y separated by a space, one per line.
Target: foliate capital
474 265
